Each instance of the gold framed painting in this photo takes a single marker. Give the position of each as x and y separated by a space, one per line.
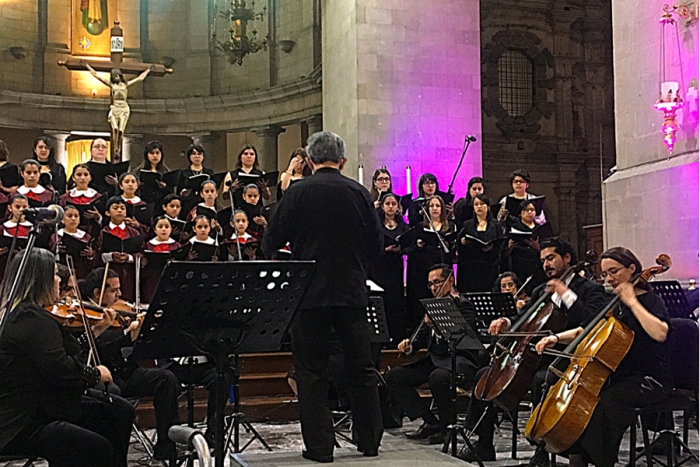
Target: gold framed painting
91 22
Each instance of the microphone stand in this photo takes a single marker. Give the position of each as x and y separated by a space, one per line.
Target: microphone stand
445 249
36 230
232 221
467 142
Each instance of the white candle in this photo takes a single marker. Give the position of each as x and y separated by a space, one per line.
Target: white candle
669 91
409 188
360 175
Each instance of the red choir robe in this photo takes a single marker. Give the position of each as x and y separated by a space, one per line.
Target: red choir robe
126 271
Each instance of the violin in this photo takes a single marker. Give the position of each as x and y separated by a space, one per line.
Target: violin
68 314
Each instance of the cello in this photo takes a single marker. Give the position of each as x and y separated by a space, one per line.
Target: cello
514 362
559 420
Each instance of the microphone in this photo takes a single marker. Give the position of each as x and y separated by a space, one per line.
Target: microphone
470 138
50 215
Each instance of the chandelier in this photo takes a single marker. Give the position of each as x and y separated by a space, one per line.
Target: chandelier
239 44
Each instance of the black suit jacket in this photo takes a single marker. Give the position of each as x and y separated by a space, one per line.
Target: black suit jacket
41 376
328 218
592 297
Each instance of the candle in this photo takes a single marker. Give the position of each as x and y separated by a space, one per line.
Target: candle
409 188
669 91
360 175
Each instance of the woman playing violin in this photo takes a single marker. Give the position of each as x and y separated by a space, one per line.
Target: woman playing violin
47 408
642 378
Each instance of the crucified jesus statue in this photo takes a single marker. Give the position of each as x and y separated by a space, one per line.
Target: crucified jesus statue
119 109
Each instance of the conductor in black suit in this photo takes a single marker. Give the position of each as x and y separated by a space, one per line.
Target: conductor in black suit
331 219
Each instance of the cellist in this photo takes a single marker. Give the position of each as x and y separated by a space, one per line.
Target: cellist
642 378
579 297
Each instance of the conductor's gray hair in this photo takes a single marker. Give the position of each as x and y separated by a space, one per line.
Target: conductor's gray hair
325 146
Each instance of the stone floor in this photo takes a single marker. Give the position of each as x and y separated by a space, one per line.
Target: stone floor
285 440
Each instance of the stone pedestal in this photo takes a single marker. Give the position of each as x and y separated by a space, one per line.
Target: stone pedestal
650 204
267 146
402 86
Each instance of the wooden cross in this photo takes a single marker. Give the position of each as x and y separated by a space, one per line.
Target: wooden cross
116 64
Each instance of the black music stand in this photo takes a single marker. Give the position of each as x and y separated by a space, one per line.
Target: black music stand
221 309
490 306
449 322
376 319
674 297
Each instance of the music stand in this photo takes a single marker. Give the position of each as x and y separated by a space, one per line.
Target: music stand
220 309
490 306
674 297
376 319
449 322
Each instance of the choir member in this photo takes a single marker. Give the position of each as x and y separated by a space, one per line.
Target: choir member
247 164
427 187
162 244
509 282
427 251
82 195
208 194
37 195
297 170
195 156
172 208
251 206
15 226
118 244
71 221
381 185
522 255
479 251
520 181
642 377
97 164
152 162
464 209
201 225
45 154
388 269
47 406
9 172
137 213
242 237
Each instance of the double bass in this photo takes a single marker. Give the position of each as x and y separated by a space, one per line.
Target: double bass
559 420
514 362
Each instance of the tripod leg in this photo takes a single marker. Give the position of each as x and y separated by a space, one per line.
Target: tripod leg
256 435
468 444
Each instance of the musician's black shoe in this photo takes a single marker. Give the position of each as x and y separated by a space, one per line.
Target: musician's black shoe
164 451
540 458
480 452
374 452
437 438
423 432
316 457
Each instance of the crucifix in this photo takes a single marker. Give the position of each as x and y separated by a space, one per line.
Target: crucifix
119 109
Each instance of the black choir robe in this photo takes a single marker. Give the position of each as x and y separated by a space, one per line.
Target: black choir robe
126 271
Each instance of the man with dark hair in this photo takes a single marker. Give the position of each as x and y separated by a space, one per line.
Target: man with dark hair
435 367
331 219
133 381
579 297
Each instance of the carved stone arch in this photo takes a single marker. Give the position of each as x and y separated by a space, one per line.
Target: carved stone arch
541 59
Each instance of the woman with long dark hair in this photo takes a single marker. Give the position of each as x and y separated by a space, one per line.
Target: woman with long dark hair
189 197
47 408
642 377
464 207
44 153
427 187
479 249
388 269
297 170
381 185
152 193
246 164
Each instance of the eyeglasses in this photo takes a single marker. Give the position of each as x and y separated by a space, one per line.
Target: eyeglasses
610 272
519 181
100 146
436 283
383 179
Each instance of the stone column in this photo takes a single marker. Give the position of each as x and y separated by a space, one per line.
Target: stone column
402 85
59 143
267 146
208 141
314 124
133 149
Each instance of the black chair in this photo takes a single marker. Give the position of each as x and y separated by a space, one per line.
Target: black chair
684 353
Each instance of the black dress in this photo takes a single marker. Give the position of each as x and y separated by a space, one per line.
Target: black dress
464 210
238 194
524 260
189 202
477 265
419 261
58 176
641 379
387 271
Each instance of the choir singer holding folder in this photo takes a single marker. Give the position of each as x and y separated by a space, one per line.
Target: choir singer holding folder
331 219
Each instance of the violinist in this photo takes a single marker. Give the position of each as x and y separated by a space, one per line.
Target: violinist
580 298
509 282
435 367
133 381
642 377
47 408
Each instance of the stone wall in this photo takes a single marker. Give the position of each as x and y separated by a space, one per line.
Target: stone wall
651 202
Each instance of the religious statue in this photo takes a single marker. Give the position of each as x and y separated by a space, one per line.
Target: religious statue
119 109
